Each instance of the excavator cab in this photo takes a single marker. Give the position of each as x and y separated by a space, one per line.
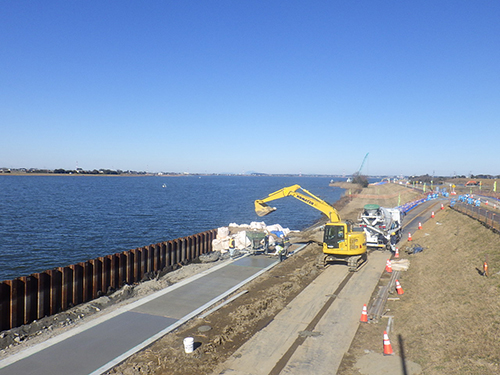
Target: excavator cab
334 235
342 244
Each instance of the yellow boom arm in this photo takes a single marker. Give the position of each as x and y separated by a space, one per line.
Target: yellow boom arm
262 209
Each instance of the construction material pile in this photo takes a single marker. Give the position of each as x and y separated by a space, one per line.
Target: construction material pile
248 237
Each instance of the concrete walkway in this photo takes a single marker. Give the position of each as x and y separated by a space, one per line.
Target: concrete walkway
324 347
97 346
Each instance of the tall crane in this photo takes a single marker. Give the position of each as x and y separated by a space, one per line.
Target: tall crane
362 164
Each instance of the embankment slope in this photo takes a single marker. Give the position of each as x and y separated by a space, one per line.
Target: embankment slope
447 319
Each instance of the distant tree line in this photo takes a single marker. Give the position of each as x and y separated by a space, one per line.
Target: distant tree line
94 171
84 172
484 176
81 171
439 179
428 179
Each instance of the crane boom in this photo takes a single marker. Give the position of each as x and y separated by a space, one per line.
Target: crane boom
262 209
362 164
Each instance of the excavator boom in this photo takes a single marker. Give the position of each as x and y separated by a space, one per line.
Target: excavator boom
262 209
340 242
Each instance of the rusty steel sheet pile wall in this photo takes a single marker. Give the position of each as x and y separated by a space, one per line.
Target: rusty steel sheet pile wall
33 297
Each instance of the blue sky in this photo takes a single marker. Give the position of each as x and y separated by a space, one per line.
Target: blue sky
237 86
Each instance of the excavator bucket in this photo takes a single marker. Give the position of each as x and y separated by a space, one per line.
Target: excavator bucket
263 209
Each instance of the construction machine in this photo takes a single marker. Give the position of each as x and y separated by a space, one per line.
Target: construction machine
379 224
341 241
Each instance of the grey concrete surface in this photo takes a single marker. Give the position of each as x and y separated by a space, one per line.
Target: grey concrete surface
179 302
96 348
421 214
83 353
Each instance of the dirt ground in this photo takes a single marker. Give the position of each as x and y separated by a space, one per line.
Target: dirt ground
221 333
235 323
447 319
386 195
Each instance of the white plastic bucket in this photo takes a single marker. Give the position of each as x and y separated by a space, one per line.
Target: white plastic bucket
189 344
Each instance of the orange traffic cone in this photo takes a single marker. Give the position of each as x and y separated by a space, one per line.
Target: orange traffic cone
419 225
397 253
432 214
399 290
364 315
409 236
388 266
387 345
442 206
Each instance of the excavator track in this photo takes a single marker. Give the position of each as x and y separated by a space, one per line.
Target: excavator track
356 262
353 262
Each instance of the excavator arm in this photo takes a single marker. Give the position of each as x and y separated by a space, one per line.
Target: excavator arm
340 242
262 209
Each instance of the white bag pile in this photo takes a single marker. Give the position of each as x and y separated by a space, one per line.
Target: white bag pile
221 242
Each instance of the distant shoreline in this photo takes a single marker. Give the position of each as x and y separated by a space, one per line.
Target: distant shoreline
87 175
158 175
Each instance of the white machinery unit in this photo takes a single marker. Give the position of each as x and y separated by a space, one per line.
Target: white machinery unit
379 223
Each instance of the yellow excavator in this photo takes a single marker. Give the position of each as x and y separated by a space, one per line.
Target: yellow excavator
340 241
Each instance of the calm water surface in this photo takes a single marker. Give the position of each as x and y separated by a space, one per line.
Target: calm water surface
53 221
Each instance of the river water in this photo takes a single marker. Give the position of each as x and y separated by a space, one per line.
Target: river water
53 221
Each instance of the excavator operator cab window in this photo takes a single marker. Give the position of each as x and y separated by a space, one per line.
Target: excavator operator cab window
334 234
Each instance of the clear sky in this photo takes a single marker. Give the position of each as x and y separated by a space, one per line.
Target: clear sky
267 86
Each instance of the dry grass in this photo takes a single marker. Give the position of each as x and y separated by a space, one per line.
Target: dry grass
448 318
387 195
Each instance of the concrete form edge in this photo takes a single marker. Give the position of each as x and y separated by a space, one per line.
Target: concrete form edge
180 322
72 332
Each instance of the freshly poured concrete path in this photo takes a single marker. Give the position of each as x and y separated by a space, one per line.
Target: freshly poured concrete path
97 346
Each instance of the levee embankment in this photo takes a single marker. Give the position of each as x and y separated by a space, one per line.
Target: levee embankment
234 324
447 319
385 195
